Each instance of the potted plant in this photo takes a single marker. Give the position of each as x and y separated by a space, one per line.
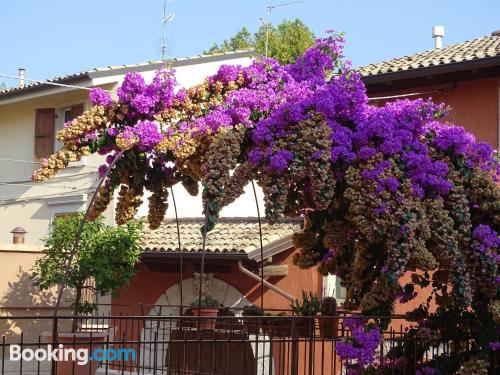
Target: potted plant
307 308
251 320
277 325
106 254
204 309
329 321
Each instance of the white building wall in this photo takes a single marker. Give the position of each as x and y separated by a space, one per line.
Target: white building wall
33 205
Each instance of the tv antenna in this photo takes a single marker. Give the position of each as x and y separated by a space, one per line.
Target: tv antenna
270 7
166 19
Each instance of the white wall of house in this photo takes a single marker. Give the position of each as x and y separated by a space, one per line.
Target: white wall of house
33 206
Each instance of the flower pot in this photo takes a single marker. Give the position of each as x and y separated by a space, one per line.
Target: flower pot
278 329
328 327
252 324
204 323
305 327
89 341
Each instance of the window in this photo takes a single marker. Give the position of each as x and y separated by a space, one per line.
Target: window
44 132
46 127
66 115
332 288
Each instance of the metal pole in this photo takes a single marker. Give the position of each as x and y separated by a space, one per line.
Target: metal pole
269 8
180 249
261 249
79 233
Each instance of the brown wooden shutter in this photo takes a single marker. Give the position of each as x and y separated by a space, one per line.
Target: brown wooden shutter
76 110
44 132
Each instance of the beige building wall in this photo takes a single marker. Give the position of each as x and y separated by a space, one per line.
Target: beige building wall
33 206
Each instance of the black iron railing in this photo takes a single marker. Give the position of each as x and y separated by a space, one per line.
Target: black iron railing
176 345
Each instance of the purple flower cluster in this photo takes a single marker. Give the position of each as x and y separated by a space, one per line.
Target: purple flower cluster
145 99
361 346
494 345
318 60
426 370
279 161
98 96
148 133
487 244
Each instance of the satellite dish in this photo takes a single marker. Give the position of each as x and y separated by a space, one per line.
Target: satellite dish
169 17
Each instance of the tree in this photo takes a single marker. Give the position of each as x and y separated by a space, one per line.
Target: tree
241 40
286 42
106 254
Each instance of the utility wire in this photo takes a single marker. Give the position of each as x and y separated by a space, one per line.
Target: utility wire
34 184
52 83
39 197
53 178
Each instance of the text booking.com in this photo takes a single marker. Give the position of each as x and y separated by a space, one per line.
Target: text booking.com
79 355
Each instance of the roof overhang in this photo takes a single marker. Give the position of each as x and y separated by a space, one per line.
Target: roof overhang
110 74
466 70
190 255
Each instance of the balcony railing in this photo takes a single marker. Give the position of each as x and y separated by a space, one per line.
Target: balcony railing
176 345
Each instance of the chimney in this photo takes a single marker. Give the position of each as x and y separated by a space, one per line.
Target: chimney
22 73
18 234
495 33
438 34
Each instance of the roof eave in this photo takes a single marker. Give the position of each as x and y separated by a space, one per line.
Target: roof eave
44 86
432 70
152 255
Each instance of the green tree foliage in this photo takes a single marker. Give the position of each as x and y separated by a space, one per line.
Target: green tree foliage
241 40
286 41
106 254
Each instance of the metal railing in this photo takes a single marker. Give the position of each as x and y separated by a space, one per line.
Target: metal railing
175 345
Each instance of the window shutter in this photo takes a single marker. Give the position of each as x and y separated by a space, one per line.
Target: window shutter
76 110
44 132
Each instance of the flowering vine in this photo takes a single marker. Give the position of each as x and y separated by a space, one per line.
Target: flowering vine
382 190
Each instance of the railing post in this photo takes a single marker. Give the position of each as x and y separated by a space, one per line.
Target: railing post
295 349
55 330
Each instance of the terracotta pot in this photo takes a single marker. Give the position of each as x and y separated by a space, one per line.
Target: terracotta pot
205 312
305 327
278 329
252 324
328 327
78 340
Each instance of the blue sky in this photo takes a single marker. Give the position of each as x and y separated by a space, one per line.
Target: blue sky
55 37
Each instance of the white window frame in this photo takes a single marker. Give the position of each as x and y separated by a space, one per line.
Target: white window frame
331 289
59 125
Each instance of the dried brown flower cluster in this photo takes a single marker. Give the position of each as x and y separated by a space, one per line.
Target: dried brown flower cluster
474 366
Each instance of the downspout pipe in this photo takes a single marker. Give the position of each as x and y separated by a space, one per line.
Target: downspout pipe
266 283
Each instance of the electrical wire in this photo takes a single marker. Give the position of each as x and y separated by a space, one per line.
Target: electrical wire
51 83
39 197
21 161
14 199
54 178
402 95
35 184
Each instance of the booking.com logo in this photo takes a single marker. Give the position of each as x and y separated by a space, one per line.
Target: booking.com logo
79 355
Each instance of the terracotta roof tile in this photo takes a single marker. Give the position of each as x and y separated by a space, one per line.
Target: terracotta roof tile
230 235
485 47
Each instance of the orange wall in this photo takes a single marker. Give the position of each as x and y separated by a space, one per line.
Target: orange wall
475 106
147 286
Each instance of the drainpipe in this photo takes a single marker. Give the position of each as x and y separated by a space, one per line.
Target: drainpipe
266 283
